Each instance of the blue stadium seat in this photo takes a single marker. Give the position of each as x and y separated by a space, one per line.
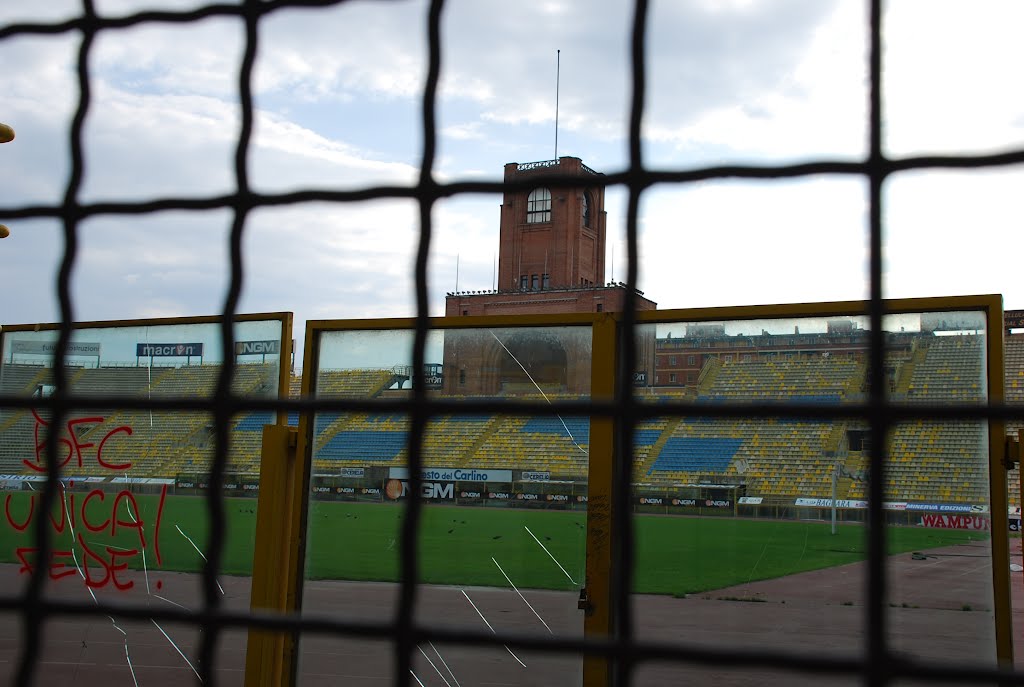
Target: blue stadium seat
692 454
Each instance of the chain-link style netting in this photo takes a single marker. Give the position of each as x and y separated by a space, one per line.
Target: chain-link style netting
878 667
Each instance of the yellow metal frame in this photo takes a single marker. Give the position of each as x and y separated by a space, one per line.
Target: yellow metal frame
278 510
152 322
292 501
285 318
992 306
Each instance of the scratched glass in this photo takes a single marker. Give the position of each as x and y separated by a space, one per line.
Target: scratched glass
502 537
130 521
751 530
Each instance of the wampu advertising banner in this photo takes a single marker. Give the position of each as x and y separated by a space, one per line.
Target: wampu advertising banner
956 521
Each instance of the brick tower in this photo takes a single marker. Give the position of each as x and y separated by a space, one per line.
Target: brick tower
550 261
551 254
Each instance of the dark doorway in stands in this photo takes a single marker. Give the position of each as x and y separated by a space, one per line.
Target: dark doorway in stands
533 362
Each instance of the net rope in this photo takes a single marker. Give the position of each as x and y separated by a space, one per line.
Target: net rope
879 665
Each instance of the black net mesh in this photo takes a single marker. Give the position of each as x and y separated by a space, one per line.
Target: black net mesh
879 665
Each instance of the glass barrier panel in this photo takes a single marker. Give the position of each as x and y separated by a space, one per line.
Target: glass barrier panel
130 520
751 530
501 542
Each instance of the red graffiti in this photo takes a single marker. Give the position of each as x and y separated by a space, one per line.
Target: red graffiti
84 516
63 564
72 445
96 512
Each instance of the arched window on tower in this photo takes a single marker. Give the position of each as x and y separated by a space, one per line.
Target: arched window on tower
586 209
538 206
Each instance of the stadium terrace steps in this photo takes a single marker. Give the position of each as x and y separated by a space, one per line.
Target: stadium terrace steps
933 462
23 379
774 457
353 383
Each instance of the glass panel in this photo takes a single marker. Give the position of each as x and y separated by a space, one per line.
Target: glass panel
738 543
130 523
937 482
502 539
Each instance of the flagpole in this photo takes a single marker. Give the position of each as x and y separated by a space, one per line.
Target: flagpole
558 76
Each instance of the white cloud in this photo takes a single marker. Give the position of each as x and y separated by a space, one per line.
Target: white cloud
287 155
200 58
355 49
811 104
338 107
952 76
731 243
955 233
470 131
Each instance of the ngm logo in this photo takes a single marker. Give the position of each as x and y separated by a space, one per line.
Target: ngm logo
398 489
269 347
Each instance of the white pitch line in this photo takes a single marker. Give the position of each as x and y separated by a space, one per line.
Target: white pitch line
445 664
173 603
416 678
183 656
129 659
549 554
514 656
477 611
200 553
489 625
74 555
523 597
436 670
96 601
145 568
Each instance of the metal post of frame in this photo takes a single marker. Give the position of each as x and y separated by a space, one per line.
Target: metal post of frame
270 657
596 598
998 503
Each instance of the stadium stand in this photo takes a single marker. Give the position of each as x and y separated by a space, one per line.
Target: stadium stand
771 457
939 461
1013 365
155 444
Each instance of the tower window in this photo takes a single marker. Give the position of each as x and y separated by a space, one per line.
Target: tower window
535 282
546 281
524 281
586 209
538 206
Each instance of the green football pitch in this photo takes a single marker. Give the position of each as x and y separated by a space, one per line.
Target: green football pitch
458 545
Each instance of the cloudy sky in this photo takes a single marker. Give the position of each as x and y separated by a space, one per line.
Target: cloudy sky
338 99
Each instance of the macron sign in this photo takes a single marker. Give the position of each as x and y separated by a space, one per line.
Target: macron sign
168 350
